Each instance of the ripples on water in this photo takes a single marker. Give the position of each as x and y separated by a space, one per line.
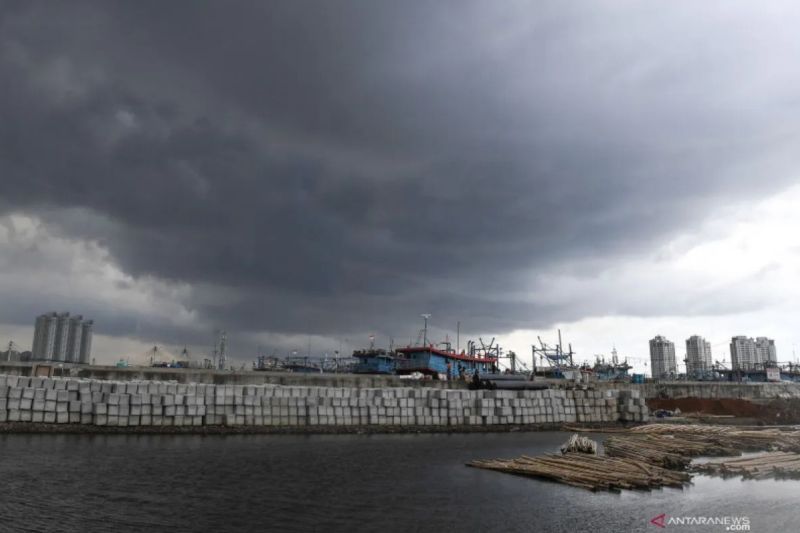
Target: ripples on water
335 483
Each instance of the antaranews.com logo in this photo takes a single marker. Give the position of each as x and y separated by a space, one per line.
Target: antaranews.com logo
731 523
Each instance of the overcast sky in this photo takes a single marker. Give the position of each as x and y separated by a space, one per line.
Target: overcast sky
316 172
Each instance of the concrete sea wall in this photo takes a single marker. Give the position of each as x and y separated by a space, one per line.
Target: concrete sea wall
151 403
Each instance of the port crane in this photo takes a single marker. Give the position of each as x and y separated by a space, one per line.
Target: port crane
555 356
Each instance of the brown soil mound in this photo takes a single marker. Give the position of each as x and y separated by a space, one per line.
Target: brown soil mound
773 412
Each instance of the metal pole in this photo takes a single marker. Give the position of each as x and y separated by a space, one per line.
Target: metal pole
458 337
425 316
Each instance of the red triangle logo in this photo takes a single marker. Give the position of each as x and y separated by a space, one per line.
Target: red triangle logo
659 520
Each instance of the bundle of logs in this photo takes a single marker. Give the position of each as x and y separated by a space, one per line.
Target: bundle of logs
589 471
781 465
668 451
579 444
659 455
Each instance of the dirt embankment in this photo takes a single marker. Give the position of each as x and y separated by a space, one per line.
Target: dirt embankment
770 412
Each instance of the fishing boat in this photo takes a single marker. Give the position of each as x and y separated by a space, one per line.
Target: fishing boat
434 362
374 361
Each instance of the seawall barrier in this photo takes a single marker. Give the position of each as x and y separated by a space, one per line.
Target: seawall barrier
153 403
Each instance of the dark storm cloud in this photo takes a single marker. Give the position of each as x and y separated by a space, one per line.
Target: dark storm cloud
342 166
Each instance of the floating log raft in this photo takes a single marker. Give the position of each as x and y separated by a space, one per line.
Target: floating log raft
775 439
780 465
668 451
589 471
660 455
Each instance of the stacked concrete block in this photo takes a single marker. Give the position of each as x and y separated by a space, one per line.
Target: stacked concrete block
632 407
132 404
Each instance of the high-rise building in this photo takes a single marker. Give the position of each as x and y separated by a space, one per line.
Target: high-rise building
662 358
698 356
59 337
744 355
765 351
74 337
60 342
44 337
37 350
86 341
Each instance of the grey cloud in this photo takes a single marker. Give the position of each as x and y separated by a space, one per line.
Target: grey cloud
338 167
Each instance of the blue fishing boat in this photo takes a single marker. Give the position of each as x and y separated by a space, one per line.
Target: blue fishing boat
374 361
435 362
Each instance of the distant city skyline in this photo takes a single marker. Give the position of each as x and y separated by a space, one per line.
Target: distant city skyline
641 359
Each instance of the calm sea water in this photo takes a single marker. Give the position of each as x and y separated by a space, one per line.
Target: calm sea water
336 483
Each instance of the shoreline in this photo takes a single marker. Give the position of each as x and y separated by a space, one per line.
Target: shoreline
21 428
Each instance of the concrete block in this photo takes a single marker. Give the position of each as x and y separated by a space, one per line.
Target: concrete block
25 404
50 417
36 417
62 417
